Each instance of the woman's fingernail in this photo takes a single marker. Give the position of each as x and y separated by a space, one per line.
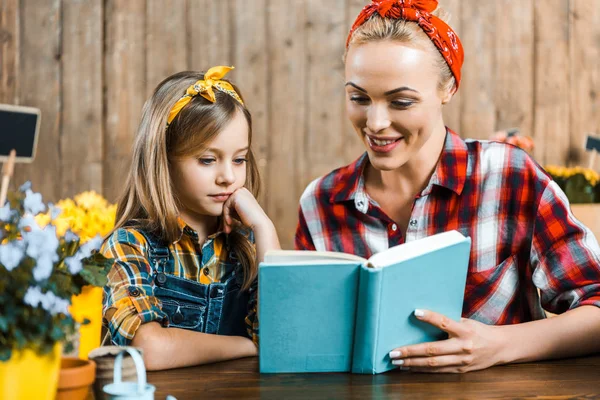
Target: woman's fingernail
398 362
404 368
394 354
419 313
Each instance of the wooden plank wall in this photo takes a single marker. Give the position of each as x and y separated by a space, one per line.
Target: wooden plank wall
90 65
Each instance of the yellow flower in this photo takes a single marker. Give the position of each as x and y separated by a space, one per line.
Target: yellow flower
87 215
565 172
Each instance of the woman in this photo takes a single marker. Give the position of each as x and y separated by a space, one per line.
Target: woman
418 178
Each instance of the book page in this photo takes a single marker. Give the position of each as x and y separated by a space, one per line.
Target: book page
300 256
409 250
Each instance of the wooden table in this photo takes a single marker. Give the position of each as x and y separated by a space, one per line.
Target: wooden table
239 379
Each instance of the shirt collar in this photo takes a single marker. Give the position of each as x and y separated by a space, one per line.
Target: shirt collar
190 232
450 172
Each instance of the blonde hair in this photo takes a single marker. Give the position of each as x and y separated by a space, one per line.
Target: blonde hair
148 198
378 28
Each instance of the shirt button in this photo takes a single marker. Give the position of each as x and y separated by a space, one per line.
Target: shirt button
133 291
394 227
413 222
206 271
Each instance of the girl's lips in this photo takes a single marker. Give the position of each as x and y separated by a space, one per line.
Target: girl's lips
383 148
222 197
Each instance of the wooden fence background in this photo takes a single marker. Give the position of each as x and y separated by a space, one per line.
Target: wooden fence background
89 65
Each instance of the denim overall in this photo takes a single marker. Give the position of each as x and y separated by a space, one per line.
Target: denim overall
218 308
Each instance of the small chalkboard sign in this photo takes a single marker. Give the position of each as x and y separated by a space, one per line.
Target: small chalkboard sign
19 131
593 143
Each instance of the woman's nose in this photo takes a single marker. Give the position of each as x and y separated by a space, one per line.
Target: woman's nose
377 118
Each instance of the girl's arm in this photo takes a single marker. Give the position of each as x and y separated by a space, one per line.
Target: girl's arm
166 348
243 206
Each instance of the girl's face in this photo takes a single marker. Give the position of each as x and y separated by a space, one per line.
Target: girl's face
204 182
393 102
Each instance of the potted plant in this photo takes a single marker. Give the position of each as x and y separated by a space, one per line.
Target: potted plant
582 187
87 215
40 271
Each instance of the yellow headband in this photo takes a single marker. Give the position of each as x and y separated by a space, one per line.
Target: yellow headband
204 88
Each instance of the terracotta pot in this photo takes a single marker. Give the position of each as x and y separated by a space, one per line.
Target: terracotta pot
75 378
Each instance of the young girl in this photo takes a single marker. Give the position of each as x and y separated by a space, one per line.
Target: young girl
418 178
183 286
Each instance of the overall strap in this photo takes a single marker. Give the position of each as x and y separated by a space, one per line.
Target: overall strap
158 250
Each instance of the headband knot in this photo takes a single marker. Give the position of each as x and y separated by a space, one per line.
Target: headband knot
212 80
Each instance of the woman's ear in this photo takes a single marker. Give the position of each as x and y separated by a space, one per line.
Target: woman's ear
448 96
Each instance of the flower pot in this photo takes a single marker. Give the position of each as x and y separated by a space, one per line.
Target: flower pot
589 215
28 375
75 378
88 305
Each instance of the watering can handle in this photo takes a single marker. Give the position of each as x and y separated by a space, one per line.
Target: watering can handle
139 367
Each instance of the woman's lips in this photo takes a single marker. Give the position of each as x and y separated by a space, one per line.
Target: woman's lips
383 145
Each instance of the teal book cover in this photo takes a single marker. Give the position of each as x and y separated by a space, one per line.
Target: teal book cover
334 312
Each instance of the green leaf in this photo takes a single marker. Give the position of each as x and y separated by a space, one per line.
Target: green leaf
5 354
95 269
579 190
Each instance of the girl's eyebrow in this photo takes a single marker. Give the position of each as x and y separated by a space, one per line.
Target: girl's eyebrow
218 151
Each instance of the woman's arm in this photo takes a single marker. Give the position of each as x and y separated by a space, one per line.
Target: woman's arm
571 334
166 348
472 345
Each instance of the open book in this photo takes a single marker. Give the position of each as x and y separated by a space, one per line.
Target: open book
335 312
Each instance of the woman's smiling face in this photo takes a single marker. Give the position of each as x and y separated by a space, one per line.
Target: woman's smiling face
393 100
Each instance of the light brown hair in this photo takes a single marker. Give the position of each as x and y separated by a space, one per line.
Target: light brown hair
148 198
378 28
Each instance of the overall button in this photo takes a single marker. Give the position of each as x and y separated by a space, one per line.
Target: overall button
215 292
178 318
160 279
133 291
413 222
206 271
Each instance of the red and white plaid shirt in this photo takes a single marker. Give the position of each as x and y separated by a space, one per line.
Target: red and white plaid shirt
523 233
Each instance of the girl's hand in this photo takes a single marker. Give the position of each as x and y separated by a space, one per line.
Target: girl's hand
243 207
470 346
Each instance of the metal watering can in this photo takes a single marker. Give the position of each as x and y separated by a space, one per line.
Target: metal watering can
140 390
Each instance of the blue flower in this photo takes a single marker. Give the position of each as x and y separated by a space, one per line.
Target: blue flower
43 268
33 202
70 236
49 301
41 246
74 263
5 213
54 211
92 245
28 221
25 187
11 254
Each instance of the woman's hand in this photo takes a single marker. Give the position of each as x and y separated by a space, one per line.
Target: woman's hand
470 346
242 206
